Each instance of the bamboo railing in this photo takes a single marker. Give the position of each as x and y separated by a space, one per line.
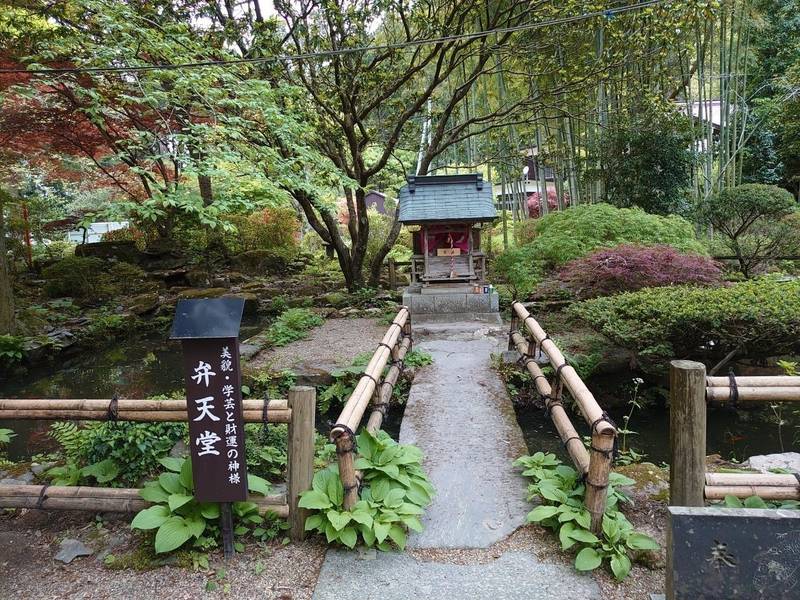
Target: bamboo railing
690 392
594 466
298 410
277 411
393 347
104 499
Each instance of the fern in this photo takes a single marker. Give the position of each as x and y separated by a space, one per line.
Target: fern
71 438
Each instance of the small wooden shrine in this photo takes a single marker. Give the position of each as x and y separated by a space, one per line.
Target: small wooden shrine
446 213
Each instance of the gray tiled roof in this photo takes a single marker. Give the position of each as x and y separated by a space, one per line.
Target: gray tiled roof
446 198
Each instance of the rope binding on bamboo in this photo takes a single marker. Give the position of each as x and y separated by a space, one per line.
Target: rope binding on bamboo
348 434
569 439
42 496
614 453
734 401
265 413
113 408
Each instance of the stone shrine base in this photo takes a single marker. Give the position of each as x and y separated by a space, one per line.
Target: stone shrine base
453 303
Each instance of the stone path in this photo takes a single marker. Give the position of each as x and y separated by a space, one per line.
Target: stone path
460 415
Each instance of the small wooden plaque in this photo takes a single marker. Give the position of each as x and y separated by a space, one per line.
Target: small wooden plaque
448 252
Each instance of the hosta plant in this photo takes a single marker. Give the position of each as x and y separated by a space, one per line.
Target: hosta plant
561 492
5 436
178 517
394 495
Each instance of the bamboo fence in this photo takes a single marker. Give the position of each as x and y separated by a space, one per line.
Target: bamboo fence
104 499
690 392
594 466
394 346
277 411
298 410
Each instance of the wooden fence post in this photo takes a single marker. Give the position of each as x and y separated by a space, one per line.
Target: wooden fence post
392 275
300 471
600 457
687 433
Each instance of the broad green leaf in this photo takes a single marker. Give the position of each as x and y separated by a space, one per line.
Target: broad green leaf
348 536
540 513
173 464
381 531
335 491
197 525
172 534
314 500
751 502
733 502
379 488
564 534
153 493
620 566
210 510
583 535
313 522
151 517
257 484
394 499
186 475
177 500
362 517
413 523
640 541
171 483
338 519
398 536
588 559
103 471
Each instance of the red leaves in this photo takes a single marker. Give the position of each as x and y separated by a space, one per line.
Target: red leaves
628 268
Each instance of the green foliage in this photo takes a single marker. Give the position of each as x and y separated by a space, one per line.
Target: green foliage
753 222
561 493
103 472
646 156
292 325
91 279
756 502
135 447
395 493
660 324
6 435
11 349
178 517
560 237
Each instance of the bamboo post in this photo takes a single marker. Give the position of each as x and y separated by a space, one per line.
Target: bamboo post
513 329
687 433
600 458
300 471
346 450
392 274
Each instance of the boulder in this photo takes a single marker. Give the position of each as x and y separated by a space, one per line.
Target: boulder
144 303
258 262
764 462
198 277
72 549
337 299
124 250
193 293
250 302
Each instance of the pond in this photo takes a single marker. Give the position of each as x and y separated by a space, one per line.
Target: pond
734 435
131 368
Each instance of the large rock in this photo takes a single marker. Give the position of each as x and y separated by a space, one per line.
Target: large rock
257 262
144 303
124 250
764 462
194 293
72 549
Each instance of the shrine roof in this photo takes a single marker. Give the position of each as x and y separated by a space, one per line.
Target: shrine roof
446 198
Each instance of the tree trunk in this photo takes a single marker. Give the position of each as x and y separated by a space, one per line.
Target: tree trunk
7 322
206 193
377 262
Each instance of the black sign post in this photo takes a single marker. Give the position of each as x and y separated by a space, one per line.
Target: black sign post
209 330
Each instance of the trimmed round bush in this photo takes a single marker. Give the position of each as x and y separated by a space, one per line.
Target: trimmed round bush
760 317
627 268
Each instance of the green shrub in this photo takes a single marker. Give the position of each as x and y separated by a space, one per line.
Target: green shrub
11 349
133 447
292 325
395 492
561 492
755 223
660 324
91 279
560 237
178 517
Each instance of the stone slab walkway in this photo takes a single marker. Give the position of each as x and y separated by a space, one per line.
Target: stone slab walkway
461 417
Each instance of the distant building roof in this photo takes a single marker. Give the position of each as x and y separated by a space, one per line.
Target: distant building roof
446 198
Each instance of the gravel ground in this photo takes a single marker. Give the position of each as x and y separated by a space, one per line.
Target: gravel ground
29 541
334 344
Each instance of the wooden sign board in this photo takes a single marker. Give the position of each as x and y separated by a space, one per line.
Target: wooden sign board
448 252
208 330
